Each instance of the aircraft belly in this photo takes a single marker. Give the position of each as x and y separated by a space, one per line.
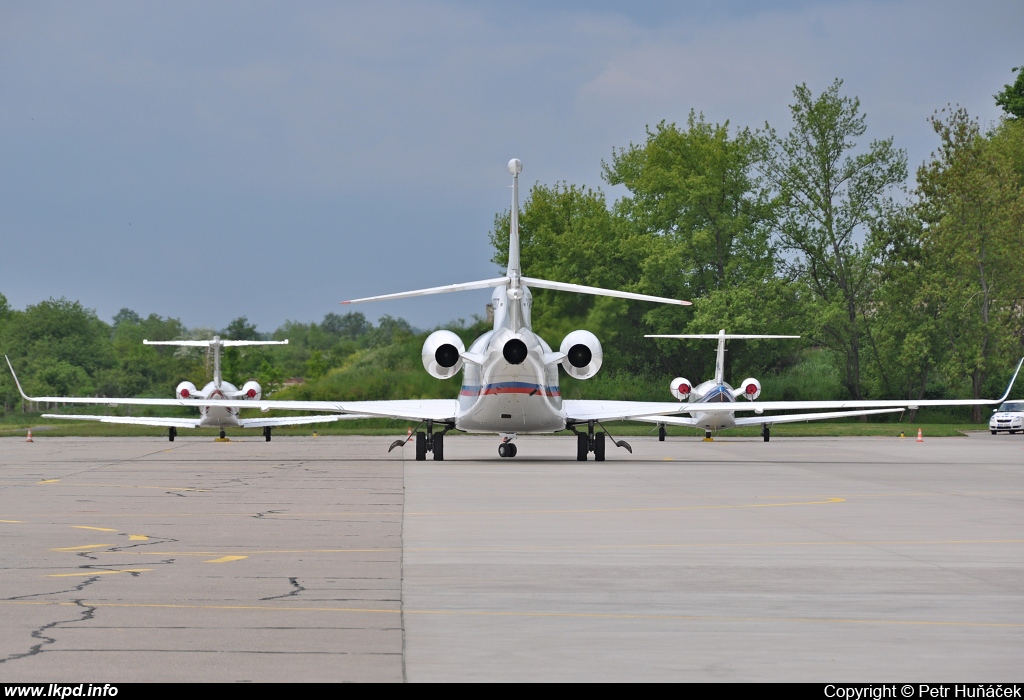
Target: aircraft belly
217 417
511 413
714 421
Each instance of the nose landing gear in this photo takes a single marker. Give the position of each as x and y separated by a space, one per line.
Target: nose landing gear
507 448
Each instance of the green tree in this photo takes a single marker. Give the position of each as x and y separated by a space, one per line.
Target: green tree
241 329
829 197
972 206
695 196
1011 99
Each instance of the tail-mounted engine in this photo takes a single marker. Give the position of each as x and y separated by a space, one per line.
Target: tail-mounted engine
252 390
750 389
680 388
186 390
583 354
442 354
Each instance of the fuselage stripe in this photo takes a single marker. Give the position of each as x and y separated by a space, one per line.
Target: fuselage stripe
510 388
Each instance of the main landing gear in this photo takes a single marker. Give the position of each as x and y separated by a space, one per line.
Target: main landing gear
266 433
766 432
594 442
661 432
427 442
171 432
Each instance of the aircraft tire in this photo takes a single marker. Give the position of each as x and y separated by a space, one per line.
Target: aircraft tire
512 450
993 432
503 449
223 435
661 432
598 447
171 432
766 432
582 448
439 447
421 446
266 433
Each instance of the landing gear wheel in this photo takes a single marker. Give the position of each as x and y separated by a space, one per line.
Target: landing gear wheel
661 432
266 433
223 435
503 450
421 446
512 450
171 432
993 432
766 432
598 447
582 447
439 447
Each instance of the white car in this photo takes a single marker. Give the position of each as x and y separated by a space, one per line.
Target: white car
1008 417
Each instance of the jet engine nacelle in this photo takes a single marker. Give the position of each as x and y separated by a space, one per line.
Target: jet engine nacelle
186 390
751 388
583 354
442 354
680 388
252 390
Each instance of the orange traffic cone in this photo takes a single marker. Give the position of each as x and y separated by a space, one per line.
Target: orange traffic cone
408 434
920 438
29 439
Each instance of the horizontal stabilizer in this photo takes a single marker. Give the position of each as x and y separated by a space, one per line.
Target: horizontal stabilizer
445 289
597 291
717 336
216 341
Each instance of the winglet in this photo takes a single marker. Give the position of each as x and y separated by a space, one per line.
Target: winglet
1008 388
20 390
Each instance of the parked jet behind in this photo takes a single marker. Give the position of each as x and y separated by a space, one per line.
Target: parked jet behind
713 404
717 391
213 413
510 382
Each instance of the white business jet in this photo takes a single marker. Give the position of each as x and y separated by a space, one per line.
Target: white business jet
510 378
713 404
210 400
717 391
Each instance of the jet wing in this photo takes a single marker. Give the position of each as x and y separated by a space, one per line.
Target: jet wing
581 411
799 417
440 410
296 420
130 420
770 420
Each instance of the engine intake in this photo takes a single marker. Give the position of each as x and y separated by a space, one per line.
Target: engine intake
583 354
515 352
442 354
751 388
680 388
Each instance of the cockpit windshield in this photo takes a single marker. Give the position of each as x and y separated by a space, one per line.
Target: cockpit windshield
1012 407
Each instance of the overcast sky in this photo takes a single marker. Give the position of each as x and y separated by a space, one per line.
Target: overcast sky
209 160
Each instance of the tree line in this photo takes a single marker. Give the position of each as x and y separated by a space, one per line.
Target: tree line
913 289
898 287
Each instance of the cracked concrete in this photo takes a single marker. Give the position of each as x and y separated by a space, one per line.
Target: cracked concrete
254 568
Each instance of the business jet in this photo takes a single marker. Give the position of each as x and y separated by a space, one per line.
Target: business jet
210 400
717 391
510 374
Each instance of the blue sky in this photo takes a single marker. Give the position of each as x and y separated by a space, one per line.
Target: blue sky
268 159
